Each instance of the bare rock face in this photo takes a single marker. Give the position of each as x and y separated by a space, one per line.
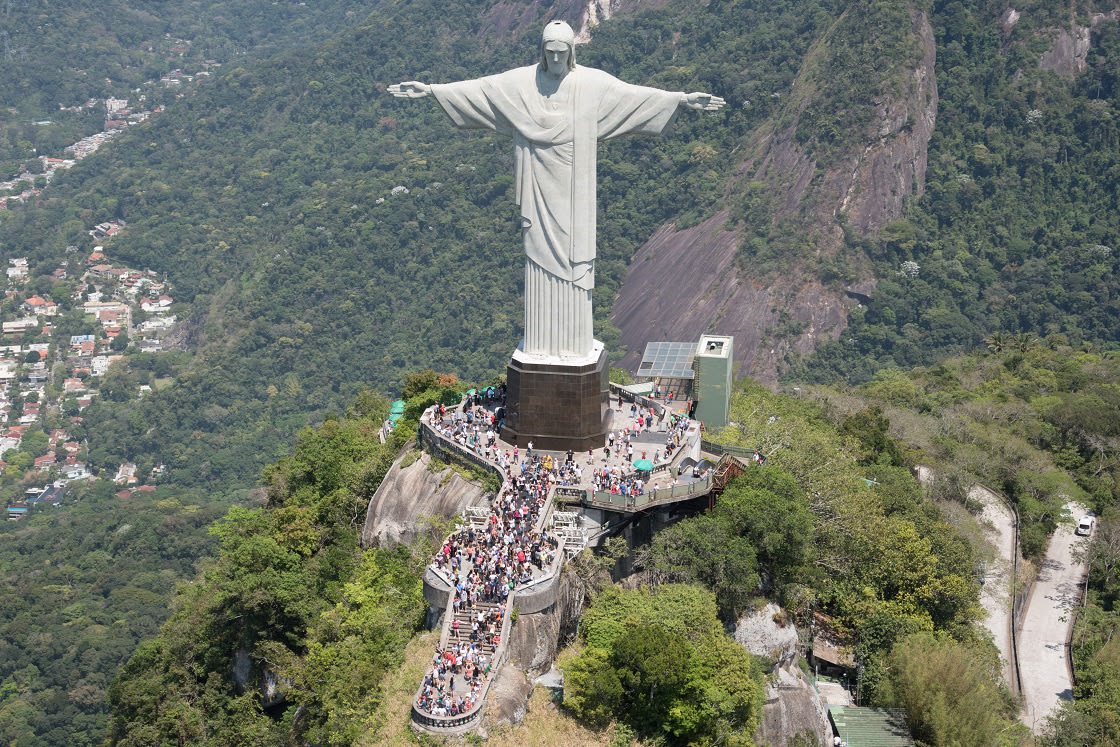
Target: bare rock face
1068 54
409 494
682 284
533 643
893 167
792 707
535 638
766 633
507 702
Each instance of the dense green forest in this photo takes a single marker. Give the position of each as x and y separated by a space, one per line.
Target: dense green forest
1016 233
82 587
54 60
311 224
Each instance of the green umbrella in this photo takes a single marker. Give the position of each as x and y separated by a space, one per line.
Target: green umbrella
643 465
397 407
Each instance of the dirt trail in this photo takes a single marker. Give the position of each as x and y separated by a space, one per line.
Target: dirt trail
998 524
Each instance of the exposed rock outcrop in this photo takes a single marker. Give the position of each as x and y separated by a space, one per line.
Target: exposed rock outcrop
660 302
534 642
1069 54
508 699
409 494
772 317
766 633
792 708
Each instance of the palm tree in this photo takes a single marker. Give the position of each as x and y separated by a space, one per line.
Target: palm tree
1024 341
996 342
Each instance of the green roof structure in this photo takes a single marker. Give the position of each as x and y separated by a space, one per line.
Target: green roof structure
870 727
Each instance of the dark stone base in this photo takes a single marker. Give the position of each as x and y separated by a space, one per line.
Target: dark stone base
557 407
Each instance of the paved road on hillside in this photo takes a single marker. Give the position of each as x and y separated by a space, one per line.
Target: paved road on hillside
998 523
995 594
1046 622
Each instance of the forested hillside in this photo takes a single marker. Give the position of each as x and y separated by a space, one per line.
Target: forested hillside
323 237
53 59
1017 231
312 222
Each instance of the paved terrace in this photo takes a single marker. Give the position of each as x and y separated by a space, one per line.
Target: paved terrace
516 545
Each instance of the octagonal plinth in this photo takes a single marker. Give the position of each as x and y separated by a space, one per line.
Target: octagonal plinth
556 404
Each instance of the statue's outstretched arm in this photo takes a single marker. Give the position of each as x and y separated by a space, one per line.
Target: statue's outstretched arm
410 89
702 102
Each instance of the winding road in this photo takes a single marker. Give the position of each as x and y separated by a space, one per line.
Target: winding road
1045 626
995 595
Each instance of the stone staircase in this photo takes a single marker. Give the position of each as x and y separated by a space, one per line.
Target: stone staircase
465 617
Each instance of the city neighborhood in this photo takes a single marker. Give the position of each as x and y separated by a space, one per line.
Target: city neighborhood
48 376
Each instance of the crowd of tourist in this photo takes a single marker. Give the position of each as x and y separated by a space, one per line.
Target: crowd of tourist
463 660
485 563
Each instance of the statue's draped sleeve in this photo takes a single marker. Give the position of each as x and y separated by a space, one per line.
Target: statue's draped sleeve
599 106
555 139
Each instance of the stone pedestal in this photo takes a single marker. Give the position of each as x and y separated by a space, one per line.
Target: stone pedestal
556 403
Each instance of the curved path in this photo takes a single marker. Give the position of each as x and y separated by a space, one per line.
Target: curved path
998 523
1046 624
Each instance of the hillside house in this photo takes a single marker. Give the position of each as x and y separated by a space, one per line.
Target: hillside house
126 474
75 470
157 305
17 269
40 306
20 326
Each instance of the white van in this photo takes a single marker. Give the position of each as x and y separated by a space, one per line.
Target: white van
1085 526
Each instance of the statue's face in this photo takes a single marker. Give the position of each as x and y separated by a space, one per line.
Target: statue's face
556 57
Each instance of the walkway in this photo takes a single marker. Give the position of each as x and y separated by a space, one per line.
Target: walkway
998 523
515 545
1046 627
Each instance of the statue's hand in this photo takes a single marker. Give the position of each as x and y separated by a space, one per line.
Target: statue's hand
410 89
703 102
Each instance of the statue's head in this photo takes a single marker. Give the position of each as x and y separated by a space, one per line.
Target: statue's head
558 36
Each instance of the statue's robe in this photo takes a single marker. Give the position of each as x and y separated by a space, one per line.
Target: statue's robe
555 138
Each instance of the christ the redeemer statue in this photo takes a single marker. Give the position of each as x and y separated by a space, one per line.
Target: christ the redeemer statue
556 112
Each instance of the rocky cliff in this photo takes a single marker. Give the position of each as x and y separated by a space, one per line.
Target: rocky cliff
410 494
681 284
534 642
792 708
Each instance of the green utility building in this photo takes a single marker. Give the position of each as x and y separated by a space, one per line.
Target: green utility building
713 364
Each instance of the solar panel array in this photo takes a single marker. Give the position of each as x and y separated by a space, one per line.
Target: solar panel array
667 360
